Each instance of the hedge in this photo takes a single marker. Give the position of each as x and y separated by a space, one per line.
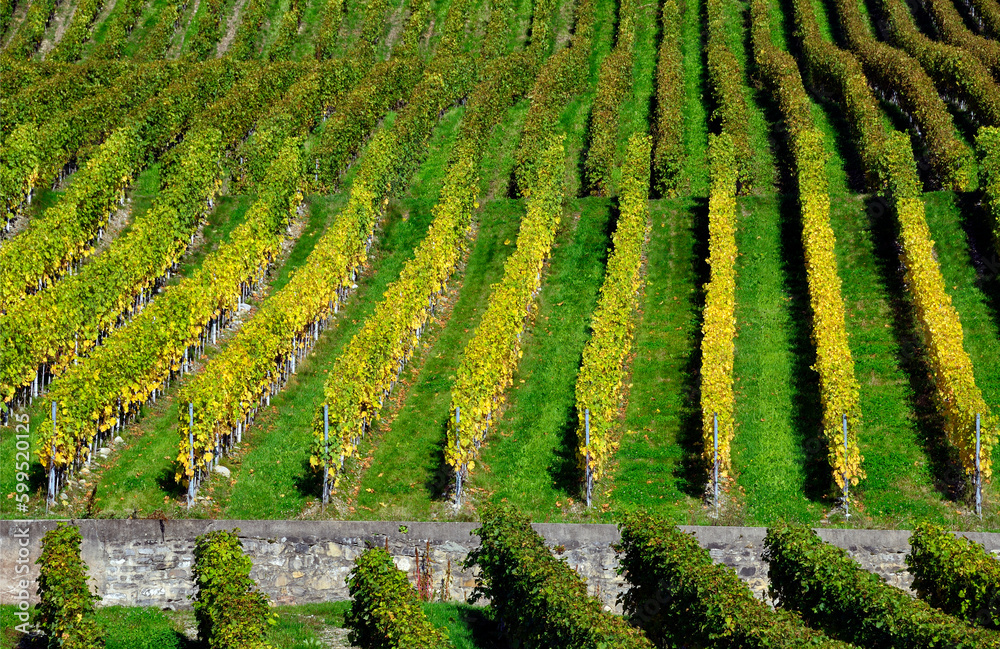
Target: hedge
288 31
718 345
955 73
386 612
491 356
246 45
901 79
563 75
614 86
66 137
210 28
31 30
891 172
386 85
956 394
156 41
6 13
66 606
836 595
955 574
539 600
951 27
680 597
58 324
319 90
988 144
602 369
839 71
117 283
139 359
839 387
329 28
44 98
668 127
987 13
103 393
231 612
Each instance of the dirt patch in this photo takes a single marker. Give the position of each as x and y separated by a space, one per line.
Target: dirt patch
566 24
15 21
231 27
177 44
54 33
396 23
335 637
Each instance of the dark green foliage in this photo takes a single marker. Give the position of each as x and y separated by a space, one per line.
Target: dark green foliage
156 42
299 110
209 31
66 606
954 72
385 610
70 46
288 31
385 86
726 80
231 612
126 16
833 593
539 599
31 30
680 597
988 143
246 43
564 74
668 129
614 86
326 39
897 74
955 575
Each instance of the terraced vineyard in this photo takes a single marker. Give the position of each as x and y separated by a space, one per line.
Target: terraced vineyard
730 261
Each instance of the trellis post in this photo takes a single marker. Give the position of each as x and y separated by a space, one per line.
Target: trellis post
52 463
979 471
326 455
589 474
715 464
847 482
458 470
191 481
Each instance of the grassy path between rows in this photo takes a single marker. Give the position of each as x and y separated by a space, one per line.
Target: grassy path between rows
775 397
271 478
530 457
408 465
409 442
653 461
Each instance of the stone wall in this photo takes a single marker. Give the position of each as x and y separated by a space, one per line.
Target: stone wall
149 562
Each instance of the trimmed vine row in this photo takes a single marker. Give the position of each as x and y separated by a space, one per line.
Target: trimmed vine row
839 389
602 371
